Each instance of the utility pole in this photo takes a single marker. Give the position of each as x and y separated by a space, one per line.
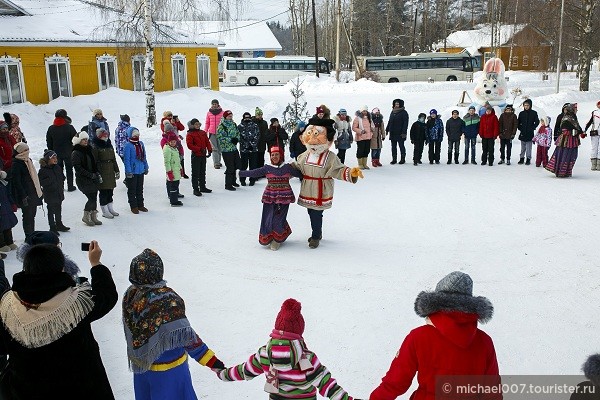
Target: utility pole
337 45
512 39
349 35
412 50
492 20
149 66
560 31
314 15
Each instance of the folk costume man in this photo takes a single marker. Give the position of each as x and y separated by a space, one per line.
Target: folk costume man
319 167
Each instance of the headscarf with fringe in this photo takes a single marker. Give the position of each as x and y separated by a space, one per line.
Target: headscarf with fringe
42 308
153 314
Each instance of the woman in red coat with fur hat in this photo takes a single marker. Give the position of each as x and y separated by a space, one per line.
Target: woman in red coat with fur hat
489 129
448 344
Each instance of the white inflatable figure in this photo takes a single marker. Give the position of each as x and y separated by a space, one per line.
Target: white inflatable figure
491 87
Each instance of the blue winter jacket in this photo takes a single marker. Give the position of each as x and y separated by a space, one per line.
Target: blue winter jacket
121 137
435 130
132 164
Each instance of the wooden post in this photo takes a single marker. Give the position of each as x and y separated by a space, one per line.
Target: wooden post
314 15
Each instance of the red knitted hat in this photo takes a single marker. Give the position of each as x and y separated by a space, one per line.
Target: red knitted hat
289 318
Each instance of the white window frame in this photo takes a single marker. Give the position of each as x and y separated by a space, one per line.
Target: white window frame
5 62
58 59
102 67
201 60
515 61
141 59
179 57
525 62
536 61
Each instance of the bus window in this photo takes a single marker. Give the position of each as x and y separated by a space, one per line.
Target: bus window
374 65
455 64
440 63
407 64
393 64
423 64
309 66
266 65
251 65
467 65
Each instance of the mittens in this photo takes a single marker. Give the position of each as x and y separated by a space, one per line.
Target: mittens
170 176
356 173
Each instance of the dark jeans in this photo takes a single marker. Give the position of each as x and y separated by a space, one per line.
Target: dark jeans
434 151
397 141
487 148
106 196
173 188
261 159
54 214
362 148
342 155
470 145
453 144
232 163
248 161
91 203
198 172
6 238
316 223
67 165
28 219
135 190
419 145
508 144
375 154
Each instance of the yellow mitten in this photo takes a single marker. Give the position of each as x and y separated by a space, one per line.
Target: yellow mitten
356 173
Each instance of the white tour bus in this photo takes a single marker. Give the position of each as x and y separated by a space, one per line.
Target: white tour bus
420 67
274 70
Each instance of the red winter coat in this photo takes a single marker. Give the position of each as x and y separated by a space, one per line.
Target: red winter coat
197 141
489 127
451 345
7 143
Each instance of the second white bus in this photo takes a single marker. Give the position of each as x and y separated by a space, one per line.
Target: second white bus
275 70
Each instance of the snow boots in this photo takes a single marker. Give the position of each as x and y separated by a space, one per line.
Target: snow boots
521 160
87 218
94 217
595 164
275 245
105 212
112 210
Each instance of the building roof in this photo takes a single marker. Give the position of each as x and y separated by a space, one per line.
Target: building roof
79 21
475 39
236 35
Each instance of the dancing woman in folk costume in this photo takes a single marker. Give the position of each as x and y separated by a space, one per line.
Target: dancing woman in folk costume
277 197
565 154
319 166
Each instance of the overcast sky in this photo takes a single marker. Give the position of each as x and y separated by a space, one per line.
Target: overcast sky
261 9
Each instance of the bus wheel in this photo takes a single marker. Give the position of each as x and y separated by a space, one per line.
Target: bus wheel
252 81
393 80
451 78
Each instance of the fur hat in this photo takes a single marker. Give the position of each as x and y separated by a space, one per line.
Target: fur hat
227 113
168 127
101 133
454 293
591 369
60 113
97 111
192 122
399 101
125 118
290 318
80 136
46 237
258 112
21 147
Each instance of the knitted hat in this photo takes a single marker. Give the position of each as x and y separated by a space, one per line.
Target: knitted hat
227 113
167 113
258 112
214 101
171 136
21 147
399 101
343 111
60 113
320 110
433 111
471 107
273 120
192 122
364 108
246 115
300 125
146 268
48 154
125 118
289 318
275 149
168 127
101 133
454 293
455 112
97 111
135 132
80 136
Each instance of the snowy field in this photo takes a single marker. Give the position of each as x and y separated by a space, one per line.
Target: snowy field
528 239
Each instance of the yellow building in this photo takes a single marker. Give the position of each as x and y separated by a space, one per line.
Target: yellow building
68 48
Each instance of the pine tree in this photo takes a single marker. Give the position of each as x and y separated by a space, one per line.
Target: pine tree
295 111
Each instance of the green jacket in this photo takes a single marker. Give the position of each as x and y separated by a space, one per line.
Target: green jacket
226 131
172 161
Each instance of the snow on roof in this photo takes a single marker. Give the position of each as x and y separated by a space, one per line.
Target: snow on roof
73 21
237 35
479 37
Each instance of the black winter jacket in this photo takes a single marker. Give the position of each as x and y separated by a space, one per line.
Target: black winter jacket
397 124
418 132
528 121
276 138
263 128
85 168
455 129
22 185
296 145
58 138
52 180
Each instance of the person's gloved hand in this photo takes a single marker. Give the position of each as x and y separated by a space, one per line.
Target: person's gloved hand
170 176
14 207
234 141
218 366
583 135
128 176
356 173
117 175
146 172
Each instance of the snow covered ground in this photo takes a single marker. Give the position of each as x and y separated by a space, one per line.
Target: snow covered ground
528 239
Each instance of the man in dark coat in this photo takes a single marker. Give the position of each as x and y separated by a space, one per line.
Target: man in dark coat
455 128
397 128
58 138
263 128
528 121
276 135
55 355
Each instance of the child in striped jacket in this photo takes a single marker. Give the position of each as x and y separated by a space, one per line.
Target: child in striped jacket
543 139
292 371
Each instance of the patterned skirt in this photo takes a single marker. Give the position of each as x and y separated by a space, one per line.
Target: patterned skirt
565 154
274 225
